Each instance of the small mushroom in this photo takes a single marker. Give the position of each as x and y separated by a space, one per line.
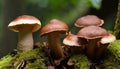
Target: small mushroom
102 45
52 31
75 44
93 34
89 20
25 25
72 40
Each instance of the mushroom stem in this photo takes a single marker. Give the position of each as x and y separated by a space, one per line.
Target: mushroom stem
25 39
76 49
91 47
100 49
55 46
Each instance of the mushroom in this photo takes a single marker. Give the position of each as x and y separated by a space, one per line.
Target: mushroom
93 34
52 31
103 43
75 44
89 20
25 25
72 40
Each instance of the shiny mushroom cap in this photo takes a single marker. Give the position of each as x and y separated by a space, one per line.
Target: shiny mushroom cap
54 26
108 39
92 32
25 20
89 20
71 40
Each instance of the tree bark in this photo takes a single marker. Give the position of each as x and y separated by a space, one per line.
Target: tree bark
11 9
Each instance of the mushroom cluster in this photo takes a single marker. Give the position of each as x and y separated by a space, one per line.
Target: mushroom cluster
97 37
91 39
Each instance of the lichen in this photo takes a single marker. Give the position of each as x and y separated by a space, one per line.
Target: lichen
81 61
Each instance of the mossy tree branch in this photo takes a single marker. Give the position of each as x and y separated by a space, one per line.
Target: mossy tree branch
117 24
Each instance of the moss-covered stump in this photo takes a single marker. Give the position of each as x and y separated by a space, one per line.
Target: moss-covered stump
33 59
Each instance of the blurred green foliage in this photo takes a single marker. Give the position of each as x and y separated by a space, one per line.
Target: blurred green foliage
66 10
96 3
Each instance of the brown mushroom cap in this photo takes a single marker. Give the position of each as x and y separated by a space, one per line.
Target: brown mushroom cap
71 40
89 20
92 32
108 39
25 20
53 26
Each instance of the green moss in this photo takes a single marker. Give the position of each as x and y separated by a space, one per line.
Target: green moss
114 48
36 53
5 62
33 58
110 63
81 61
37 64
112 56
